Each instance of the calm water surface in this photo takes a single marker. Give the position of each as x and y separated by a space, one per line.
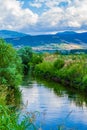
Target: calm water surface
56 105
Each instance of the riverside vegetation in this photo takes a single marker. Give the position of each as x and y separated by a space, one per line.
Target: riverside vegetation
10 78
69 70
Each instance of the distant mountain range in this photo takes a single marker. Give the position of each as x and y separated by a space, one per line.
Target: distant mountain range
67 37
11 34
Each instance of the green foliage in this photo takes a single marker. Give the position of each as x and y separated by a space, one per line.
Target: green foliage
45 69
75 74
10 65
9 120
26 55
3 94
36 59
59 63
70 70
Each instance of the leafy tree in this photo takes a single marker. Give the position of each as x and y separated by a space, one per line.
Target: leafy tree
59 63
10 65
36 59
26 54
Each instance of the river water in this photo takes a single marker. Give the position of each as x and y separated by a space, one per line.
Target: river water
57 106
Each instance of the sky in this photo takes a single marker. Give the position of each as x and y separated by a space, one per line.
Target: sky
43 16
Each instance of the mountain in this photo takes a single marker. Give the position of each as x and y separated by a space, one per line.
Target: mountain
33 40
58 38
64 40
73 37
10 34
66 32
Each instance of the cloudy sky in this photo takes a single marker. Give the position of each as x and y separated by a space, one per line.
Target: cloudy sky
43 16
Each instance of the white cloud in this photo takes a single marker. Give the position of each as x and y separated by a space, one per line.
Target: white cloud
74 16
37 5
48 3
13 16
76 13
53 15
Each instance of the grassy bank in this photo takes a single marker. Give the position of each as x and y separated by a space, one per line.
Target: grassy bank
10 79
69 70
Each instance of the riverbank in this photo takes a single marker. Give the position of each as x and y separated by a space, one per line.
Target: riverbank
69 70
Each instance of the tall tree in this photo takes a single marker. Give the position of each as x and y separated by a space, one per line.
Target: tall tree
26 54
10 65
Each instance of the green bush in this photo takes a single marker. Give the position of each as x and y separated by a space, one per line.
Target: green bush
26 55
45 69
9 120
36 59
67 71
74 74
59 63
84 82
10 65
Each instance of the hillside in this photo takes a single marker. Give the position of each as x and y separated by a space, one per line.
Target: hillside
10 34
64 37
67 40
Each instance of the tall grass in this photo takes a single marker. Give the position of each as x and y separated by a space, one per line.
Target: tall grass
9 120
9 116
70 70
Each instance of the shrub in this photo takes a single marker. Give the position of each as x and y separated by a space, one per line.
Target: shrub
45 69
59 63
10 65
26 55
36 59
9 120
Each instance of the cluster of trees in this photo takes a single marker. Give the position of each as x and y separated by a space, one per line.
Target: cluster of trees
15 63
10 65
29 59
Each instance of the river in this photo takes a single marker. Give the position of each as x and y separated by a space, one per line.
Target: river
57 106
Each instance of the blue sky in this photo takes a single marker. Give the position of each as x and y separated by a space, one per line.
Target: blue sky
43 16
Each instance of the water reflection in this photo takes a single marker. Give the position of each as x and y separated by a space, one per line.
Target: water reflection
79 98
55 102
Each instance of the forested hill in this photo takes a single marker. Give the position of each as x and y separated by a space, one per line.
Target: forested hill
64 37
